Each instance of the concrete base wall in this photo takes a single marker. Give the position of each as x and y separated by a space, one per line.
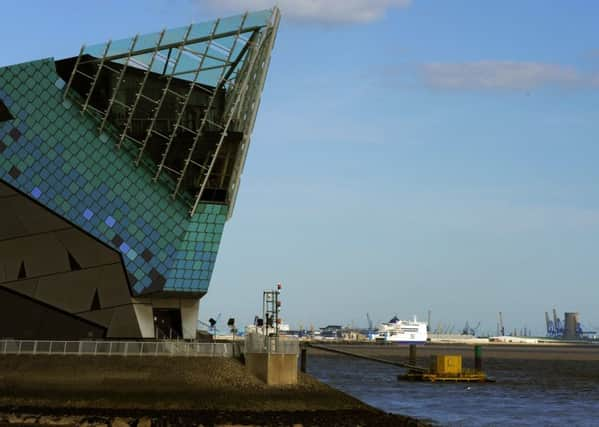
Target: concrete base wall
189 314
273 369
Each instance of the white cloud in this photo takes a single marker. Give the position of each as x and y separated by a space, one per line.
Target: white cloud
504 75
323 11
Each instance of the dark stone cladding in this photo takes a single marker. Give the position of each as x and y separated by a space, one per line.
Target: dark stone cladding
22 317
57 281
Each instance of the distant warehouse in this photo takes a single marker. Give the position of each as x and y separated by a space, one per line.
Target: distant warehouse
118 170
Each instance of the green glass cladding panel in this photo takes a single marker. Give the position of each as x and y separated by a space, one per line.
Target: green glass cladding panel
53 153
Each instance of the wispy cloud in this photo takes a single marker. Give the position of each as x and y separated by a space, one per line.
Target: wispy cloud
504 75
321 11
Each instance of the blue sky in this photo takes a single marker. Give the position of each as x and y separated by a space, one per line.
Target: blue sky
407 155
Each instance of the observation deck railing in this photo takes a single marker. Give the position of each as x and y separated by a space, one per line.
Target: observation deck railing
117 348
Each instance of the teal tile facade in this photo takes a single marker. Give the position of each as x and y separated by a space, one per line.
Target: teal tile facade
53 153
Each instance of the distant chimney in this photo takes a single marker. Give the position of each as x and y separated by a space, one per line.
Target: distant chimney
570 326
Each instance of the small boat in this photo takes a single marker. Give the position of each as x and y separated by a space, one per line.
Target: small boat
402 331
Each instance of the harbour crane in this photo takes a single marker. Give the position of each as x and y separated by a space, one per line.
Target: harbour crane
428 322
555 327
466 330
559 327
470 331
551 331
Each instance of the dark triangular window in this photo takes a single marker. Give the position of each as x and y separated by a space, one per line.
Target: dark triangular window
22 272
96 302
4 113
73 262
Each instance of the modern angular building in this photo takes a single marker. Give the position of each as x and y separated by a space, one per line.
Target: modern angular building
118 170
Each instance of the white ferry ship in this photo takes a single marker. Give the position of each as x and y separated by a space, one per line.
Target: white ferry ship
402 331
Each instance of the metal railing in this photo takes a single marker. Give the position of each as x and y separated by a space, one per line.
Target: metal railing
117 348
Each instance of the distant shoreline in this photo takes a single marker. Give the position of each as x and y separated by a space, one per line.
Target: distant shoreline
491 350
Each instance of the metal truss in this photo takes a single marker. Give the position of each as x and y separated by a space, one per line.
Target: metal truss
118 84
192 86
205 120
140 89
229 62
248 113
165 92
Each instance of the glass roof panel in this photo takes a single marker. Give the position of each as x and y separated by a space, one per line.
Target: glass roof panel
201 30
208 77
188 63
147 41
175 35
198 49
227 42
258 19
134 62
95 50
145 59
231 23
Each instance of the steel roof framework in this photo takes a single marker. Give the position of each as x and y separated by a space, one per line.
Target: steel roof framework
230 54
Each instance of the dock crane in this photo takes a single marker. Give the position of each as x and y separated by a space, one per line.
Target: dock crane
551 330
555 327
466 330
428 322
559 327
470 331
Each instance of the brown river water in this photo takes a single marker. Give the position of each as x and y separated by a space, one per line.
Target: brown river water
536 385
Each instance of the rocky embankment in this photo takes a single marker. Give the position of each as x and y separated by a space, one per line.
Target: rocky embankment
215 418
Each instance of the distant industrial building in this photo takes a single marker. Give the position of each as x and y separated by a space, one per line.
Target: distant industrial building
118 170
570 328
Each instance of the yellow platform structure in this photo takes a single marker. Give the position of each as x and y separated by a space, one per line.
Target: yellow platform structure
446 368
447 364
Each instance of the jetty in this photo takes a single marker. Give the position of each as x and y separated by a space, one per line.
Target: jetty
443 368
